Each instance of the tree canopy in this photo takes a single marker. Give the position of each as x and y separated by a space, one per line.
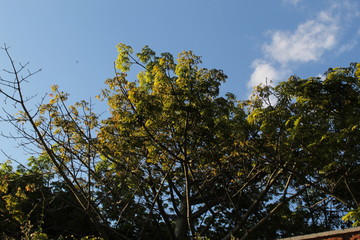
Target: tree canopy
174 159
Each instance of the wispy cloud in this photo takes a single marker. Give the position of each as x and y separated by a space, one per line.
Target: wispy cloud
307 43
294 2
347 46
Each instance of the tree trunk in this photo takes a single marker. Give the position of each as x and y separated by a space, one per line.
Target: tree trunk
181 221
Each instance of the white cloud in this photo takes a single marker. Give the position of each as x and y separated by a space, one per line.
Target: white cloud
264 73
321 76
307 43
294 2
351 7
347 47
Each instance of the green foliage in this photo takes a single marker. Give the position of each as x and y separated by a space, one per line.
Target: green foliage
173 159
353 216
315 123
34 206
123 62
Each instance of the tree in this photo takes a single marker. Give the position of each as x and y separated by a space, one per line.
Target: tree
174 160
33 205
317 122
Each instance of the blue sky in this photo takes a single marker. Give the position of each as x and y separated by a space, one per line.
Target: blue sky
251 40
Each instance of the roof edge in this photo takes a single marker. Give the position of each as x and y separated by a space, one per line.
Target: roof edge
324 234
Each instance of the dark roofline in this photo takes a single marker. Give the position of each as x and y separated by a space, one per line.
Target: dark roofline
325 234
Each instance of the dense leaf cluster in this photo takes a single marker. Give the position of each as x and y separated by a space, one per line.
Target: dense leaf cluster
175 160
